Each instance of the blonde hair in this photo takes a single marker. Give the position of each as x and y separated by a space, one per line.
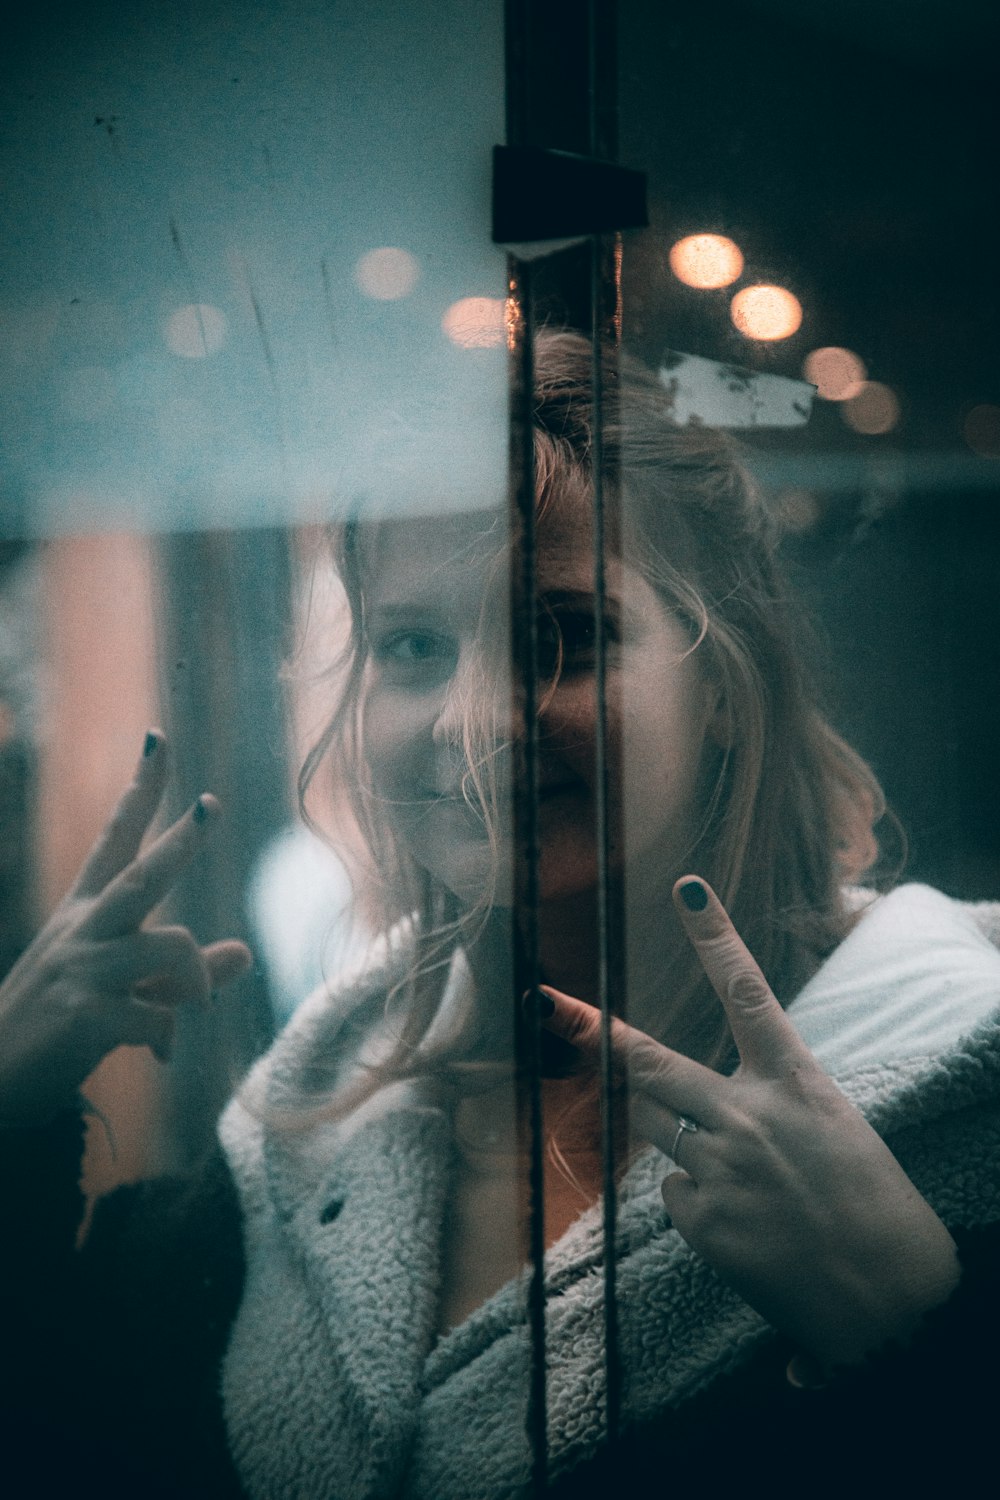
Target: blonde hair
789 807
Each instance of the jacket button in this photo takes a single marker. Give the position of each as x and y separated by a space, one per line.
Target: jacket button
331 1211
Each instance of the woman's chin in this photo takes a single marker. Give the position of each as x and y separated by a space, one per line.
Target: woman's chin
461 857
480 879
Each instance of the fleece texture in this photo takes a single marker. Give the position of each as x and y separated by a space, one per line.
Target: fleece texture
335 1385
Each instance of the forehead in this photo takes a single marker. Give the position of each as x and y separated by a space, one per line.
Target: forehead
431 557
434 555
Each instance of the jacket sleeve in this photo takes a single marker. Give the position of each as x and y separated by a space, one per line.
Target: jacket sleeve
111 1354
908 1420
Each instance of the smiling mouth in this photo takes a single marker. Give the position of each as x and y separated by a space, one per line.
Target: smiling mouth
504 805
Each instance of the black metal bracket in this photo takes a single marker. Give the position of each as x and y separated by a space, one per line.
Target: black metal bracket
556 195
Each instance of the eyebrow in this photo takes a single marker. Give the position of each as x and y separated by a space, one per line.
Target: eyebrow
405 609
583 600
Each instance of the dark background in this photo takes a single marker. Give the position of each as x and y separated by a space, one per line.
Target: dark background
851 154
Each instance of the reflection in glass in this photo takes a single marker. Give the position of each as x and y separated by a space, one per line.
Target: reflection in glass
476 322
387 274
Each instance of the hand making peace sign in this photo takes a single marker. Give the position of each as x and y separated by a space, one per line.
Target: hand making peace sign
95 977
782 1185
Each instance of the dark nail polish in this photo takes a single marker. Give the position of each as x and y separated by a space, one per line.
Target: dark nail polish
199 812
544 1004
694 895
150 745
805 1373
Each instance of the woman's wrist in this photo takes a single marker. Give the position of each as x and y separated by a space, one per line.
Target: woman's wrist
941 1333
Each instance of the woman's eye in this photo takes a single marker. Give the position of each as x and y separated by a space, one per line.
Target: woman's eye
414 653
567 641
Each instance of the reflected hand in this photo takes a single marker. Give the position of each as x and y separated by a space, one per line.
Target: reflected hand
783 1187
94 977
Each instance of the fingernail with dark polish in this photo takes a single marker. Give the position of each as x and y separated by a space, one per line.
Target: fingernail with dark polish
199 812
694 895
150 744
544 1004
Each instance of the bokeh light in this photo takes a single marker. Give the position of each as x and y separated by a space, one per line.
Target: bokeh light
796 510
706 261
386 274
766 312
195 331
875 409
981 430
837 374
476 322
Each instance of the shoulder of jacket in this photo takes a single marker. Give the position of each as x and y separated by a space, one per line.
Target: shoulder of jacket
314 1052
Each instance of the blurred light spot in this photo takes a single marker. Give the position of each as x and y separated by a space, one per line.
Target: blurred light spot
195 331
476 322
873 410
796 510
88 393
387 273
982 431
837 374
766 312
706 260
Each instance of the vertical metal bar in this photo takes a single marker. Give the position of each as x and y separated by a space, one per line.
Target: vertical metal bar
612 1352
607 1076
524 624
524 634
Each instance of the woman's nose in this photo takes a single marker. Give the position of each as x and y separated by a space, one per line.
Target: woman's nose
477 723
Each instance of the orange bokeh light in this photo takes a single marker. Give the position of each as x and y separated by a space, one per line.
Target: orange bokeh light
837 374
874 410
706 261
766 312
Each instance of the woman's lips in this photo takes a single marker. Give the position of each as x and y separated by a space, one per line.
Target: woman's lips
504 803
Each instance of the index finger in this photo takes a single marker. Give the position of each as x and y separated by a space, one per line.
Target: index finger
133 893
666 1076
122 836
762 1032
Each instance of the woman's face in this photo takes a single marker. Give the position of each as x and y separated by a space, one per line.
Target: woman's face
438 601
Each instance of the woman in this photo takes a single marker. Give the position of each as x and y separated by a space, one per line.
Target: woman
367 1321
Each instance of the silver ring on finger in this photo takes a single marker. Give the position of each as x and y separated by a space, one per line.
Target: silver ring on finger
683 1124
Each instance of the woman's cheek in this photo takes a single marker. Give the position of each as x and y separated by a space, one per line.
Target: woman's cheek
398 734
381 726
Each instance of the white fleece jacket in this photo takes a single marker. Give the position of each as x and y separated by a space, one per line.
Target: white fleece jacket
335 1387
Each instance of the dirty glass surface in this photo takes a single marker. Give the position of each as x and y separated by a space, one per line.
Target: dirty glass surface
248 289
